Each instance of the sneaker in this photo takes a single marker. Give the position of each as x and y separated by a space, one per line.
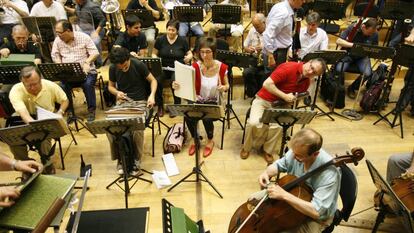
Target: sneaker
135 169
91 116
119 168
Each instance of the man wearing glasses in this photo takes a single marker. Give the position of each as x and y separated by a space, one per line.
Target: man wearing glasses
287 79
25 96
77 47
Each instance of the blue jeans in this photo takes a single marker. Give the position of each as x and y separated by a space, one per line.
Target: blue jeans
196 29
364 67
88 87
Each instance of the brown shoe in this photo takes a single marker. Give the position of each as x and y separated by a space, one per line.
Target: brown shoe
244 154
268 157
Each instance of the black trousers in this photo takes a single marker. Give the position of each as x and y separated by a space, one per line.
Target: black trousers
166 75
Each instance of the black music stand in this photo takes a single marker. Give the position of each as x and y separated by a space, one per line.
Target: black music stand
188 14
145 16
330 57
44 27
194 113
169 221
116 128
10 74
404 57
329 11
154 66
244 60
33 134
226 14
393 202
370 51
68 72
286 118
395 10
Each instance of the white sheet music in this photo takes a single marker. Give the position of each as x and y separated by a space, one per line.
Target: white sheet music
43 114
185 77
170 165
161 179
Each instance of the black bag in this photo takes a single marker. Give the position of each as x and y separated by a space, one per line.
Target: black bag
330 83
369 100
378 75
6 108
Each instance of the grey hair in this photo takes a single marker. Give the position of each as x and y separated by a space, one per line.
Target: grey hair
20 27
27 72
313 17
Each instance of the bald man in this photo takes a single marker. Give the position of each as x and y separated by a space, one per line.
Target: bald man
20 44
253 44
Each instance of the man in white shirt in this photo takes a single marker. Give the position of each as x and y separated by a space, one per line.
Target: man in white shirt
49 8
253 44
277 37
312 38
13 11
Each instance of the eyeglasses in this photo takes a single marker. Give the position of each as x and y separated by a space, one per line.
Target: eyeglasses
59 33
205 51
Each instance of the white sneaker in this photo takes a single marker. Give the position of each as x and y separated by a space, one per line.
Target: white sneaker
119 169
135 168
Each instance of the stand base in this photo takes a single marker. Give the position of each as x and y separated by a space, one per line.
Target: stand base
197 171
392 123
228 118
352 115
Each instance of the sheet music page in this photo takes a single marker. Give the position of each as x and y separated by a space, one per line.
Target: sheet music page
185 77
43 114
161 179
170 165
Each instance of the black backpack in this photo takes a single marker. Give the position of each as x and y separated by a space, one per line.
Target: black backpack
332 82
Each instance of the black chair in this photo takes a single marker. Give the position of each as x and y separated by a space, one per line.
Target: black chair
348 193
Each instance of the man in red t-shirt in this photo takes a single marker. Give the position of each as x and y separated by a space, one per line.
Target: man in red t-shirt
287 79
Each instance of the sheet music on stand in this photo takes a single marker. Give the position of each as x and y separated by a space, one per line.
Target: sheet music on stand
211 111
243 60
70 72
100 126
10 74
330 56
146 17
35 130
372 51
287 115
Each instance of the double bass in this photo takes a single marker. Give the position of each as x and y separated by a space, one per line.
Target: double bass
272 216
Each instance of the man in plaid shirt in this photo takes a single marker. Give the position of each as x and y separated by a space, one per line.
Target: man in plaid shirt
77 47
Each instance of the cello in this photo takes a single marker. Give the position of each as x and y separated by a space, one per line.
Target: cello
272 216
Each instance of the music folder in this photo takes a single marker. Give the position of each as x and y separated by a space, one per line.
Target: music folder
185 77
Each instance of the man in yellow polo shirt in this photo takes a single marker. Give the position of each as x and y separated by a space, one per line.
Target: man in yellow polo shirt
34 91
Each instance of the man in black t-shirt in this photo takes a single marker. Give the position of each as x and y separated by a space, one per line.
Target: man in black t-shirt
151 6
20 44
132 39
366 34
130 80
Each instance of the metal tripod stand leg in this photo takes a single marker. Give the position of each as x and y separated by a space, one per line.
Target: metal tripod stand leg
315 96
393 123
74 119
196 170
229 107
